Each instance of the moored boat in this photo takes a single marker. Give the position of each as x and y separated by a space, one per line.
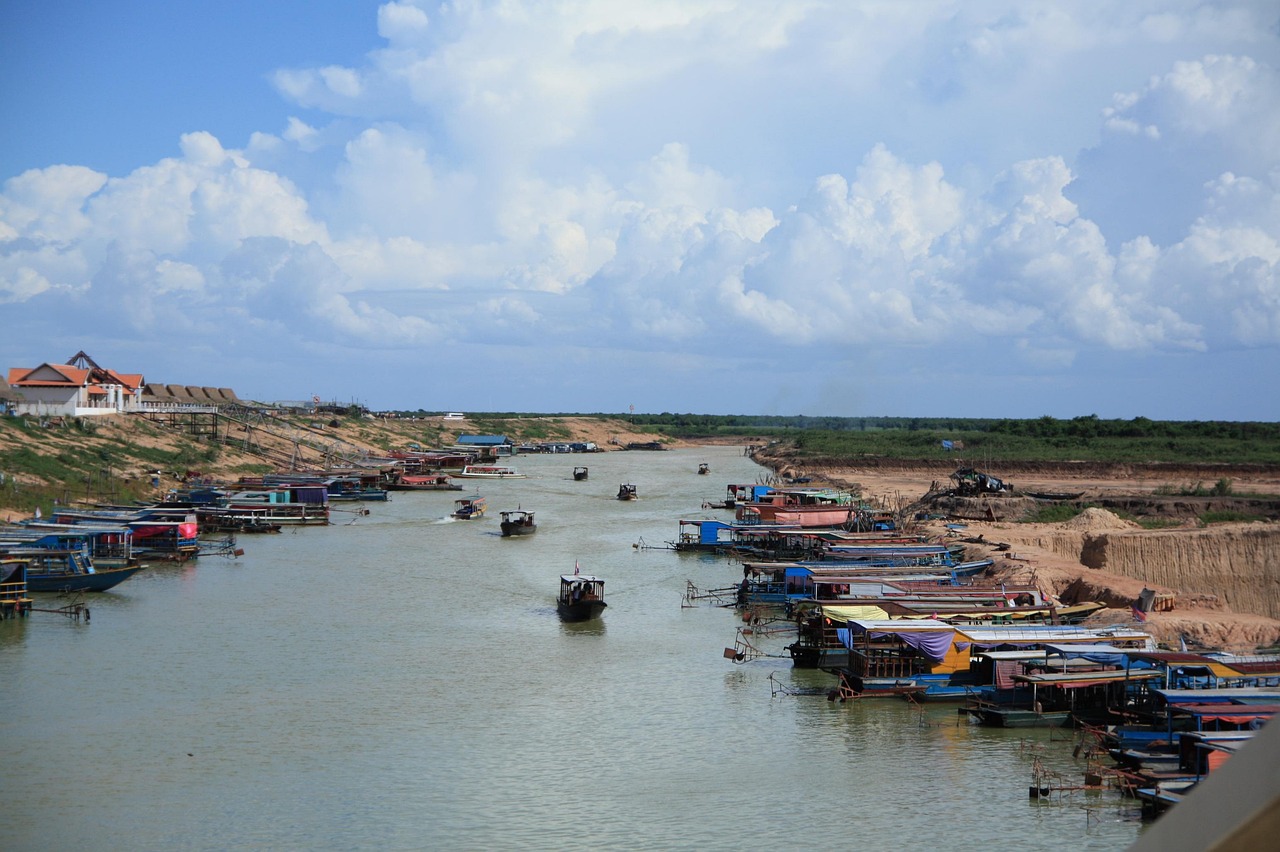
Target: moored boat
518 522
469 508
424 482
489 471
67 571
581 597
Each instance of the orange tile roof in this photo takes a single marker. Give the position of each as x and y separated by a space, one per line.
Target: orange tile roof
71 376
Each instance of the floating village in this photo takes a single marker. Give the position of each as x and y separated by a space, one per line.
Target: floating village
824 578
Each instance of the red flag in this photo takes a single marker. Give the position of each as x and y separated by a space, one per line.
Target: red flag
1138 614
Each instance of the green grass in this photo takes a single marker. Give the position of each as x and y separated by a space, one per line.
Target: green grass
1055 514
1230 517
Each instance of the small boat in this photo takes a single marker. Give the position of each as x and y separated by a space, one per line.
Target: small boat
626 492
489 471
518 522
425 482
704 468
469 508
581 597
579 473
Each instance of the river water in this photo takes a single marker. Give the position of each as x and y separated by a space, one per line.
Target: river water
399 680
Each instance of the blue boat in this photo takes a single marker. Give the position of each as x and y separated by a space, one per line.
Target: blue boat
69 571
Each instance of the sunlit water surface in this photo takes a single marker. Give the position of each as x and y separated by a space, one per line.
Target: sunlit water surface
401 681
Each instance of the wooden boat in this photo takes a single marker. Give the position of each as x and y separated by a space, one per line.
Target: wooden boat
489 471
626 492
518 522
469 508
704 468
581 597
1018 717
579 473
424 482
67 571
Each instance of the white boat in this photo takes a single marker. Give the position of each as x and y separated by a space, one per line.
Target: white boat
489 471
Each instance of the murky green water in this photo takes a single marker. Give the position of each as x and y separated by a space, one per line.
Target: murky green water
401 681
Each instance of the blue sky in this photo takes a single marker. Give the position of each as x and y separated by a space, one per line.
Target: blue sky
990 209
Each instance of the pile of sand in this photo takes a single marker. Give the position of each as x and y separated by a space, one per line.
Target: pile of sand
1094 519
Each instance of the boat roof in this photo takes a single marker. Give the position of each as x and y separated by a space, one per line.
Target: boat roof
1075 680
1079 649
1226 712
577 578
1184 660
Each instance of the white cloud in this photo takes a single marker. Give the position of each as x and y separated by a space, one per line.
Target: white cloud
700 177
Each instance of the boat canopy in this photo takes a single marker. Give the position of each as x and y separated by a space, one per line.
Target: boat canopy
1078 680
1109 655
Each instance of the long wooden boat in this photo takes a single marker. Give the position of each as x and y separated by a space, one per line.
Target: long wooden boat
65 571
489 471
518 522
1020 717
581 597
424 482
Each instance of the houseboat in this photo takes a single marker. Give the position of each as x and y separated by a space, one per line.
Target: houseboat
907 656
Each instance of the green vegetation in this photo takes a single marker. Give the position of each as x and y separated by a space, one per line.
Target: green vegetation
1229 517
47 462
1221 488
1055 514
1044 439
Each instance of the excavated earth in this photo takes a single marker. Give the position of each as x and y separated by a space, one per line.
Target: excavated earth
1216 585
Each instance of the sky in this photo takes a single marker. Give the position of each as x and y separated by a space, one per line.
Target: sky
974 208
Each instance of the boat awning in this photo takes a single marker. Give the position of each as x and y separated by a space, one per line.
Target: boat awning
1097 653
854 612
1185 660
1238 714
929 637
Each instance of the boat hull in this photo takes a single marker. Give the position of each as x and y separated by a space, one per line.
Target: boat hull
510 529
1009 717
581 610
99 581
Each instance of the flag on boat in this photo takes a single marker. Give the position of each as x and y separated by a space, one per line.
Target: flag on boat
1138 613
575 567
